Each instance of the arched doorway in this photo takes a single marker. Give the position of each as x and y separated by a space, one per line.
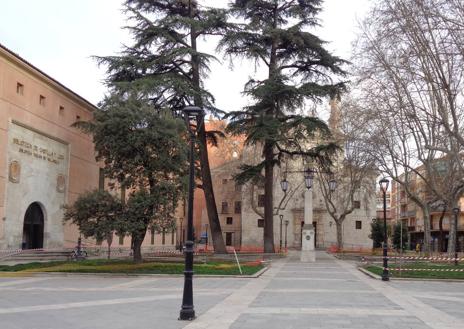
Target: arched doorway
33 230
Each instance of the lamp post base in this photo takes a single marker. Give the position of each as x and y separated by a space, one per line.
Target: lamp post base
187 314
308 254
385 274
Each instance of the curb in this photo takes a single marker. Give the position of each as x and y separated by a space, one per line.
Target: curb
370 274
378 277
128 275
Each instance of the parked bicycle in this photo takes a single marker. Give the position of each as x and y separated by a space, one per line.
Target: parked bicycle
78 253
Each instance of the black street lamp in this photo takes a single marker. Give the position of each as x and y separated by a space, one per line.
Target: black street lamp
181 235
284 185
456 213
286 226
332 185
280 245
308 178
384 186
187 312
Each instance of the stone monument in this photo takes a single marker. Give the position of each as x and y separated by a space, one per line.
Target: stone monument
308 254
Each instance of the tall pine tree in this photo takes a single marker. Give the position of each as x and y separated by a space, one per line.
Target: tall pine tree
274 34
166 65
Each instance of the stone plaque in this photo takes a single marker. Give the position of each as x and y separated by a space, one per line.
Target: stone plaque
14 171
60 183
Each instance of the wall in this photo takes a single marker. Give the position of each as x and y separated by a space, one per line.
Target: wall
48 125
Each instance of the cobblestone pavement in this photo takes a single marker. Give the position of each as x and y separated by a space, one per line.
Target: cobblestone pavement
327 294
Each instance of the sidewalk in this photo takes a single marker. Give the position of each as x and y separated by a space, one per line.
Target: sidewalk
328 294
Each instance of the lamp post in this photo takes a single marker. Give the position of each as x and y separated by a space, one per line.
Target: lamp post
456 213
181 237
286 226
281 218
206 234
187 311
384 186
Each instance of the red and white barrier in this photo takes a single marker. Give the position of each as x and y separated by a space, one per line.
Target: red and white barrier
427 269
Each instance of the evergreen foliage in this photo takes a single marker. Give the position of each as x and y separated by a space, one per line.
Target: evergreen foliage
144 151
165 67
275 34
97 214
376 234
399 241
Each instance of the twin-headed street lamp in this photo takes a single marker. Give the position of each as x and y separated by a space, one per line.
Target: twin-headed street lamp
308 180
187 312
384 187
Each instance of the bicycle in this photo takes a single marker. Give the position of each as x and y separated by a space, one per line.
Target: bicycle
78 254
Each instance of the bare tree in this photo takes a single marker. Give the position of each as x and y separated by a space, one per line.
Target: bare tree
354 172
411 71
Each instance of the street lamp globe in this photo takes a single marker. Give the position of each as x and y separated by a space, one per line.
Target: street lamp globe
332 185
456 210
308 177
384 184
284 185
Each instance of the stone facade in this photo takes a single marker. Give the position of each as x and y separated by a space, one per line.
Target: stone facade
291 206
43 158
229 204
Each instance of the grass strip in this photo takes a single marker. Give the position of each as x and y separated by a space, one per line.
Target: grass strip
128 267
425 272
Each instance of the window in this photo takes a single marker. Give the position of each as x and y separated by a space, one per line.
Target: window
172 237
225 207
42 100
358 225
152 231
357 204
238 207
238 187
19 88
78 117
224 181
121 240
260 222
228 238
61 110
229 220
163 237
261 200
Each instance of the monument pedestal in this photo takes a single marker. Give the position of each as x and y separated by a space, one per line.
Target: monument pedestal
308 254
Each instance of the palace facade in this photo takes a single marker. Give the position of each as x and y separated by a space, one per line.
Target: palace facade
44 161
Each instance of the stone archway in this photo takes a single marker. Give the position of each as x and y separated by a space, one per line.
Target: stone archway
33 229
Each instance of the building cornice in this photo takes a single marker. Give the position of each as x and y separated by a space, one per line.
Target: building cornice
23 64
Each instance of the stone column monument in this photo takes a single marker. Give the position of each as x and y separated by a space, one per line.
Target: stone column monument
308 254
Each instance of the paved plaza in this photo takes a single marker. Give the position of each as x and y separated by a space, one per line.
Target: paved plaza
328 294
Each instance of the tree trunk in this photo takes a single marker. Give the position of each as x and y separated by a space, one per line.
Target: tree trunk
207 183
339 228
213 217
137 240
441 245
268 232
427 236
452 238
109 240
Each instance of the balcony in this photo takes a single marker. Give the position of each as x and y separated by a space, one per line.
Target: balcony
407 214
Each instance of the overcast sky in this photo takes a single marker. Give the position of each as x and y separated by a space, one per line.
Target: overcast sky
60 36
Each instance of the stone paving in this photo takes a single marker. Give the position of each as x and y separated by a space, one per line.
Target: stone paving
328 294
